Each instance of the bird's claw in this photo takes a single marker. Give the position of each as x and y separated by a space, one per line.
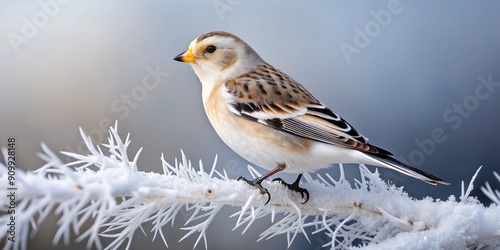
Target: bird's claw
257 184
295 187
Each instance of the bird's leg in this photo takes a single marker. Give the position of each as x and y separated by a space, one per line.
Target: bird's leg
295 187
257 182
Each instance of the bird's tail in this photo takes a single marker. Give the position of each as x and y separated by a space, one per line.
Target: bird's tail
408 170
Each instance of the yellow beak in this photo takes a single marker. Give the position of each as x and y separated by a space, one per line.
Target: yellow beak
186 57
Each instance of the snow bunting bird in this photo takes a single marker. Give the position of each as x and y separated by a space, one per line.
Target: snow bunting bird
271 120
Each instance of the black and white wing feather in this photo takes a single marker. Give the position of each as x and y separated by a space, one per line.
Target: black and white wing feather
270 97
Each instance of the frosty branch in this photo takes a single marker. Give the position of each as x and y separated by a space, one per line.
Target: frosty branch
106 186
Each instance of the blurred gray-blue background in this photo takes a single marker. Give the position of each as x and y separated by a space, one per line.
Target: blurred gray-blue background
420 79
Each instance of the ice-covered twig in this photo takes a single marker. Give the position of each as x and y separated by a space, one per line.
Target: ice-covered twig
107 187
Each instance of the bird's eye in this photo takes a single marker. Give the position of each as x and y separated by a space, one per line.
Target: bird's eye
210 49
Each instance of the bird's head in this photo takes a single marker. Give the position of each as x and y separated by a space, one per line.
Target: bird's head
218 55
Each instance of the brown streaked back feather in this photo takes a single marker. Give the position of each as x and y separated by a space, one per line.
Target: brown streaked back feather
270 97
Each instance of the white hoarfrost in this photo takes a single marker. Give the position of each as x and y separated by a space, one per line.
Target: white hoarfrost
107 187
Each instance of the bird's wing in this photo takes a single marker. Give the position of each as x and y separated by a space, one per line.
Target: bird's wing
270 97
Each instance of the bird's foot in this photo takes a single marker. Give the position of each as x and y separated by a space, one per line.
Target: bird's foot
295 187
257 184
